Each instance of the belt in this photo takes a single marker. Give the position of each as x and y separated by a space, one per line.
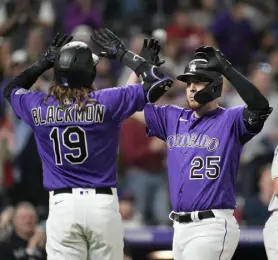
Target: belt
98 191
186 218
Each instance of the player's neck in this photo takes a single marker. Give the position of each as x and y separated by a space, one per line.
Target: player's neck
205 109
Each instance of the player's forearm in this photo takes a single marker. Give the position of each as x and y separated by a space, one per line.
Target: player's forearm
27 78
247 91
133 79
133 61
154 81
138 64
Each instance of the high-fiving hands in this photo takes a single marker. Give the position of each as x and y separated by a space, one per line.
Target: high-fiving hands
111 45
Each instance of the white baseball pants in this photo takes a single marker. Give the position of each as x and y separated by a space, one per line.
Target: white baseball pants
84 226
270 233
211 239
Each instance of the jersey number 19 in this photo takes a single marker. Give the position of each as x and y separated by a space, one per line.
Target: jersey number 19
77 144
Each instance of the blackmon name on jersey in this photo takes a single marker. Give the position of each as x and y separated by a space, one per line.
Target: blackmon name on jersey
92 113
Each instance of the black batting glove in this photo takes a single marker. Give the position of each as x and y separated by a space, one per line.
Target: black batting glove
216 60
51 53
150 51
111 45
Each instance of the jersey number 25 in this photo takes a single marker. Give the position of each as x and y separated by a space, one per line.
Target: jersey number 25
210 165
72 138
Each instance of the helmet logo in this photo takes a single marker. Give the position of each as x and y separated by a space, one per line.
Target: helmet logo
192 67
64 82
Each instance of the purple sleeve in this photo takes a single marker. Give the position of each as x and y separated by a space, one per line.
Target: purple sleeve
122 102
21 101
238 124
156 119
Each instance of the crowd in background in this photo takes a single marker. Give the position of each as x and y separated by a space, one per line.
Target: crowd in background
246 31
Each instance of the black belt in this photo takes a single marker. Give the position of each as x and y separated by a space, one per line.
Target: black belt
186 218
98 191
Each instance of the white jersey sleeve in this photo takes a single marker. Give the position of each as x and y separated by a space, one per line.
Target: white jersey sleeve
274 167
273 205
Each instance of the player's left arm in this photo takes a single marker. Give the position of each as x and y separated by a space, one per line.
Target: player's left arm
257 110
153 80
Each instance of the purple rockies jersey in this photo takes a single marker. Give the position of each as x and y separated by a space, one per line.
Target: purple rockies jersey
78 148
203 154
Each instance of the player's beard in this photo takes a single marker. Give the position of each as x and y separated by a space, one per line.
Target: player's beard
193 104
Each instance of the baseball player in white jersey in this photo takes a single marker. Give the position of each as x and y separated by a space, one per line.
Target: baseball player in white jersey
271 226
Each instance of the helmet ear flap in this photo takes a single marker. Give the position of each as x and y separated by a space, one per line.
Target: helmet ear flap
204 96
212 91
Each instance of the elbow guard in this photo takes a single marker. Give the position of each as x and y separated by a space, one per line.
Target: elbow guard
255 119
154 82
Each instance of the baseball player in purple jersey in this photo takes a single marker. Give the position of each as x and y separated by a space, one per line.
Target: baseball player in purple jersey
204 147
77 132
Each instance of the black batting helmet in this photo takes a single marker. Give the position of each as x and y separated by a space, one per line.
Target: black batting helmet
75 65
213 89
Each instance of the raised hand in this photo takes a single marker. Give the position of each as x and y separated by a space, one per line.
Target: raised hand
52 51
216 60
111 45
150 51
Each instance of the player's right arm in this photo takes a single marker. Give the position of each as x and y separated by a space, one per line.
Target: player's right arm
150 52
17 92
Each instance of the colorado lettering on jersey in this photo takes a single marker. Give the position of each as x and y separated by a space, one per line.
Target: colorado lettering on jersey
192 140
92 113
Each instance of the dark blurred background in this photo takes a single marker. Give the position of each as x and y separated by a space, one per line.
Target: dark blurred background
245 31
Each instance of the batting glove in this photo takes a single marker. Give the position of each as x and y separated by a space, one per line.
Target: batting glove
216 60
111 45
150 52
52 51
